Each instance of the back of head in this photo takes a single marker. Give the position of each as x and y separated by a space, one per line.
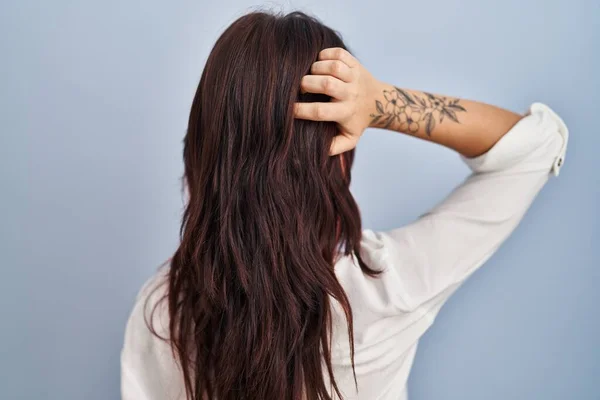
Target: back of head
269 212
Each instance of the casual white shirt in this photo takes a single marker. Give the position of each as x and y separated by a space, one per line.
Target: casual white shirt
424 262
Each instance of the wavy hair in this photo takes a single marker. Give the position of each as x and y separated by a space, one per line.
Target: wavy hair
269 214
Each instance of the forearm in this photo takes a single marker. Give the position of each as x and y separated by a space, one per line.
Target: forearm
469 127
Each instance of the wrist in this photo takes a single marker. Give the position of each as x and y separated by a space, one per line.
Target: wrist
376 104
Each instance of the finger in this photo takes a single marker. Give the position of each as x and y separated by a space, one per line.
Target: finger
325 84
341 143
338 53
320 111
334 68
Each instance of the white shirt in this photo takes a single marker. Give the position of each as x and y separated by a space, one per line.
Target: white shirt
425 262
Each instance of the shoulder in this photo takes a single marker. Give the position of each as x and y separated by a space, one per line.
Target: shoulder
148 367
149 312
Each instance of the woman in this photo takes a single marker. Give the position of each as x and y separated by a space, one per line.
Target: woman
276 291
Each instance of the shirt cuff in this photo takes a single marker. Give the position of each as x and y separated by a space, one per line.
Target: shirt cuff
521 140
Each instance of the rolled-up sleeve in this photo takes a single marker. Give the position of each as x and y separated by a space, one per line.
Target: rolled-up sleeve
435 253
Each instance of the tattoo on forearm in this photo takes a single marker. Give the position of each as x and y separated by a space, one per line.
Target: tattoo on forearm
413 111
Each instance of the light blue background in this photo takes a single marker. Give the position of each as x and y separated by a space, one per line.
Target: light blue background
94 100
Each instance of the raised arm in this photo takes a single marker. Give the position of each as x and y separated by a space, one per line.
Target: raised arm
471 128
510 156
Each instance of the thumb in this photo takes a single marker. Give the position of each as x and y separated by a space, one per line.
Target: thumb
342 143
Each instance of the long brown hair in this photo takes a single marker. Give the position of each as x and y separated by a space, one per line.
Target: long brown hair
268 215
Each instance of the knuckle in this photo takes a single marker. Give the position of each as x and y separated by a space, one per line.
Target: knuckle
319 112
316 66
336 67
351 111
327 84
339 52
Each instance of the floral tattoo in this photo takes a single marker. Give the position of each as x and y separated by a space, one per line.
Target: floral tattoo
413 111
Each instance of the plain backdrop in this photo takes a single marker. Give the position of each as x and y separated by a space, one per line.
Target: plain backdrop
94 100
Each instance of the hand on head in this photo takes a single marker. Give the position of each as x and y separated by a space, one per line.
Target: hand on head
338 74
